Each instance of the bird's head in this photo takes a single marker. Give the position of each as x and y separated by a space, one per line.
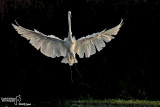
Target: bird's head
69 13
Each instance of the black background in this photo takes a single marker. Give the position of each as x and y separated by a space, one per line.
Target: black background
128 67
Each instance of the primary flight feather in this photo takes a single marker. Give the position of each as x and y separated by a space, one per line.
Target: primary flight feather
53 46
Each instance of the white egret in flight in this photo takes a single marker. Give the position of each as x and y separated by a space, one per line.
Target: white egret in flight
53 46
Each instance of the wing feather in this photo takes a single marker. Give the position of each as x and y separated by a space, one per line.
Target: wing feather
50 46
88 45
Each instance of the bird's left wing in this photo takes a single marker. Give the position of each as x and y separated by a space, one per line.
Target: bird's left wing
87 44
50 46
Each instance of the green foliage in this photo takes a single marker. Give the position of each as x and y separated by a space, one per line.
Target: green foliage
119 102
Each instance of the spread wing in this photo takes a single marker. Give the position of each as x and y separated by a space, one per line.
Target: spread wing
90 43
50 46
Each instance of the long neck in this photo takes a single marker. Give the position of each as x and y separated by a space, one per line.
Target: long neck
69 25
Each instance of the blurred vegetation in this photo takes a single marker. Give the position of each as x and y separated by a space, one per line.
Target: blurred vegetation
127 68
112 102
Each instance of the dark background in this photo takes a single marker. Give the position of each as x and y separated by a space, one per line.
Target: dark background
127 68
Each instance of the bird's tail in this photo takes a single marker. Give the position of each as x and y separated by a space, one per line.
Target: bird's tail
64 60
69 61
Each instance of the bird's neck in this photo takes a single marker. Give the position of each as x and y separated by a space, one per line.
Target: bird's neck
69 25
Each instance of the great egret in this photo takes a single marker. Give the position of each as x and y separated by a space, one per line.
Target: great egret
53 46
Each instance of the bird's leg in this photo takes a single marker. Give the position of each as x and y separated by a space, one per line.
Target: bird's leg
71 74
78 71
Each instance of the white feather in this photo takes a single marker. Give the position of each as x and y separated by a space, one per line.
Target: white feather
95 40
50 46
53 46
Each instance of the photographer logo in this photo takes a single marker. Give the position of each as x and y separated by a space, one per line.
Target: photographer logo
17 100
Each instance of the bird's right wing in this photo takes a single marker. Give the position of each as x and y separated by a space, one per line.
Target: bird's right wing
90 43
50 46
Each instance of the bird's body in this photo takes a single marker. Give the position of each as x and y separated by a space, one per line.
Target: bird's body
53 46
70 56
